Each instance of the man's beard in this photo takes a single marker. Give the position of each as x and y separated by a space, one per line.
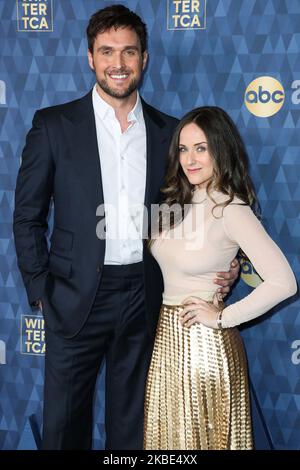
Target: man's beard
118 94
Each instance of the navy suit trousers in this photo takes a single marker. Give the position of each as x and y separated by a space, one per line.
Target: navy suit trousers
115 330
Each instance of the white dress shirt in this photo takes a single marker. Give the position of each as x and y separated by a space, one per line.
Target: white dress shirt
123 168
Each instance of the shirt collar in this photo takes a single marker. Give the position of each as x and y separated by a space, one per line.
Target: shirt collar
103 109
136 114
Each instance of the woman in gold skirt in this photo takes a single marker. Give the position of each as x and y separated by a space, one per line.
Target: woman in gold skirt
197 394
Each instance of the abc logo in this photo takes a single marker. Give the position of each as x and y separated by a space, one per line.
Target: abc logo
264 96
248 274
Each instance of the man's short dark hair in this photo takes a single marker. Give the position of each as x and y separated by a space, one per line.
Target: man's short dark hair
115 16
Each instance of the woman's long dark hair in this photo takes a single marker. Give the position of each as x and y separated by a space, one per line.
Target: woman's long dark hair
230 162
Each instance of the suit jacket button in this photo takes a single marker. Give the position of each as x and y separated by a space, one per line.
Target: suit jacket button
98 269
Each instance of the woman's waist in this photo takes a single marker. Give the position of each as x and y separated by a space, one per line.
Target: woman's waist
170 299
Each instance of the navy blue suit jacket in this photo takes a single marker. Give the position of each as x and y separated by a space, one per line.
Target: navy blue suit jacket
61 160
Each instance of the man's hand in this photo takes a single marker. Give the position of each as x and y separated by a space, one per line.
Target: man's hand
38 304
227 279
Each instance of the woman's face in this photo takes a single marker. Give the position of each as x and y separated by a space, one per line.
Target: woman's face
194 156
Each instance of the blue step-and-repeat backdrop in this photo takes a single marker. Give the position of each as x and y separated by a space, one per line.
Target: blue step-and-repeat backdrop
242 55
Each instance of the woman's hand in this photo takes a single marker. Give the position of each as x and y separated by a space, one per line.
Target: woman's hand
197 310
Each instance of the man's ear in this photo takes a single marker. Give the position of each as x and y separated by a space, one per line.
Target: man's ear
145 59
90 59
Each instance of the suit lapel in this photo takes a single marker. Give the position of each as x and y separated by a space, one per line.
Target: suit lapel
156 136
80 128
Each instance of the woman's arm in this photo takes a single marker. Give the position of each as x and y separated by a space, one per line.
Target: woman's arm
279 283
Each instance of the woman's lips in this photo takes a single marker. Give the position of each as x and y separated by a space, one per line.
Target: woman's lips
194 170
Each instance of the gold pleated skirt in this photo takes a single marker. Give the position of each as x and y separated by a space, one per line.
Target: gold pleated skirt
197 394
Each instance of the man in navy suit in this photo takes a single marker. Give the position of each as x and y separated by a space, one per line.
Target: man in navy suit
100 291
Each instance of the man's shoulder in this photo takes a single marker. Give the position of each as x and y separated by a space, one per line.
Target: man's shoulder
64 108
157 115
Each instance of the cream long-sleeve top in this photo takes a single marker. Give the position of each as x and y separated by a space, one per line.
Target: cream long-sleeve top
204 243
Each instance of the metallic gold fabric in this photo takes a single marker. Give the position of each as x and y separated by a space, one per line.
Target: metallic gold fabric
197 388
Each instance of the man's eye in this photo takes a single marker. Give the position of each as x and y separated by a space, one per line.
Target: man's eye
130 52
106 52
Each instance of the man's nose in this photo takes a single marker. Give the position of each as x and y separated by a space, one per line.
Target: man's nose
118 60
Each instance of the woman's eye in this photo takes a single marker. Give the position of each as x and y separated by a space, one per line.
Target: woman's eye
201 149
181 149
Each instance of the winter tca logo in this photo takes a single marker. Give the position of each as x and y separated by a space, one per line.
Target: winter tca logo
35 15
264 96
32 335
186 14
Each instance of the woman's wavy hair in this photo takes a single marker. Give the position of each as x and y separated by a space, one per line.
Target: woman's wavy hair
230 163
